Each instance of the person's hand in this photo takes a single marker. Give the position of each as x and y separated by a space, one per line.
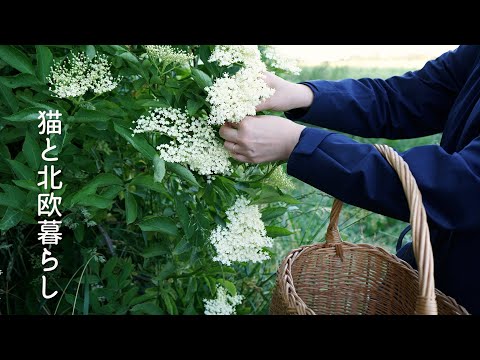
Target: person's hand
287 95
258 139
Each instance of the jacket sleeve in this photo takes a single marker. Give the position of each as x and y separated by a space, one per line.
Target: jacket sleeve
413 105
359 175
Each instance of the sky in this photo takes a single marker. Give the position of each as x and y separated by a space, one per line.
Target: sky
316 54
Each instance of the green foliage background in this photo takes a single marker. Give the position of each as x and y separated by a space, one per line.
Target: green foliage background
148 219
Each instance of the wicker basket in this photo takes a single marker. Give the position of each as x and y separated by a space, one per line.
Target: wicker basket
340 278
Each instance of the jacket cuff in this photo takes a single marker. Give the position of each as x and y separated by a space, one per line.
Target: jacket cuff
304 113
310 139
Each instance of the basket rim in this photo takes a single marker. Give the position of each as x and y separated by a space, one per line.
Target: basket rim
287 285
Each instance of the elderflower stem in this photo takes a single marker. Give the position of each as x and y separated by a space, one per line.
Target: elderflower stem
277 164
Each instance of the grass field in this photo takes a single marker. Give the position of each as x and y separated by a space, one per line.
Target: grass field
309 220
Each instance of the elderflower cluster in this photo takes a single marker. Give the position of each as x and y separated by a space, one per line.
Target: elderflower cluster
244 238
193 141
280 179
223 304
282 62
77 74
232 97
227 55
168 54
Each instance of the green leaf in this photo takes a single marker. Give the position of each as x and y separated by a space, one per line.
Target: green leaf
142 299
108 268
183 72
158 168
105 179
183 216
16 59
228 285
27 184
191 289
90 51
13 197
182 246
44 62
193 106
4 152
273 213
169 304
22 171
220 270
137 141
32 151
86 296
277 198
202 79
151 103
276 231
27 114
11 218
159 224
9 199
20 80
182 172
79 232
113 49
110 192
96 201
156 250
129 295
127 55
205 53
166 271
88 116
58 140
7 95
147 309
130 207
12 134
147 181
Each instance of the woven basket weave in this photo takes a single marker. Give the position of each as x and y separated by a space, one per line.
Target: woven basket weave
340 278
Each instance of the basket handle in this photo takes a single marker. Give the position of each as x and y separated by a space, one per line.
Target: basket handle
422 248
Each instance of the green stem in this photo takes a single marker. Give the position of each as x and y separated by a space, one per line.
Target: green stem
80 283
263 177
66 287
188 274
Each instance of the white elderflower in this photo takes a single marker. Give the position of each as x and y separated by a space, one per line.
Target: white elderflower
193 141
280 179
223 304
101 79
232 98
168 54
281 61
227 55
69 78
244 238
77 74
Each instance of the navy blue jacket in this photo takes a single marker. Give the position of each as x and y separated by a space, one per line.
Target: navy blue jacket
443 97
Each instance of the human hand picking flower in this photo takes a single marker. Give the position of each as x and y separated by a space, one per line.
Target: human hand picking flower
258 139
287 95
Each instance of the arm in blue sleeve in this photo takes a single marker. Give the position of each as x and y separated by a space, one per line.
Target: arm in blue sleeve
413 105
359 175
